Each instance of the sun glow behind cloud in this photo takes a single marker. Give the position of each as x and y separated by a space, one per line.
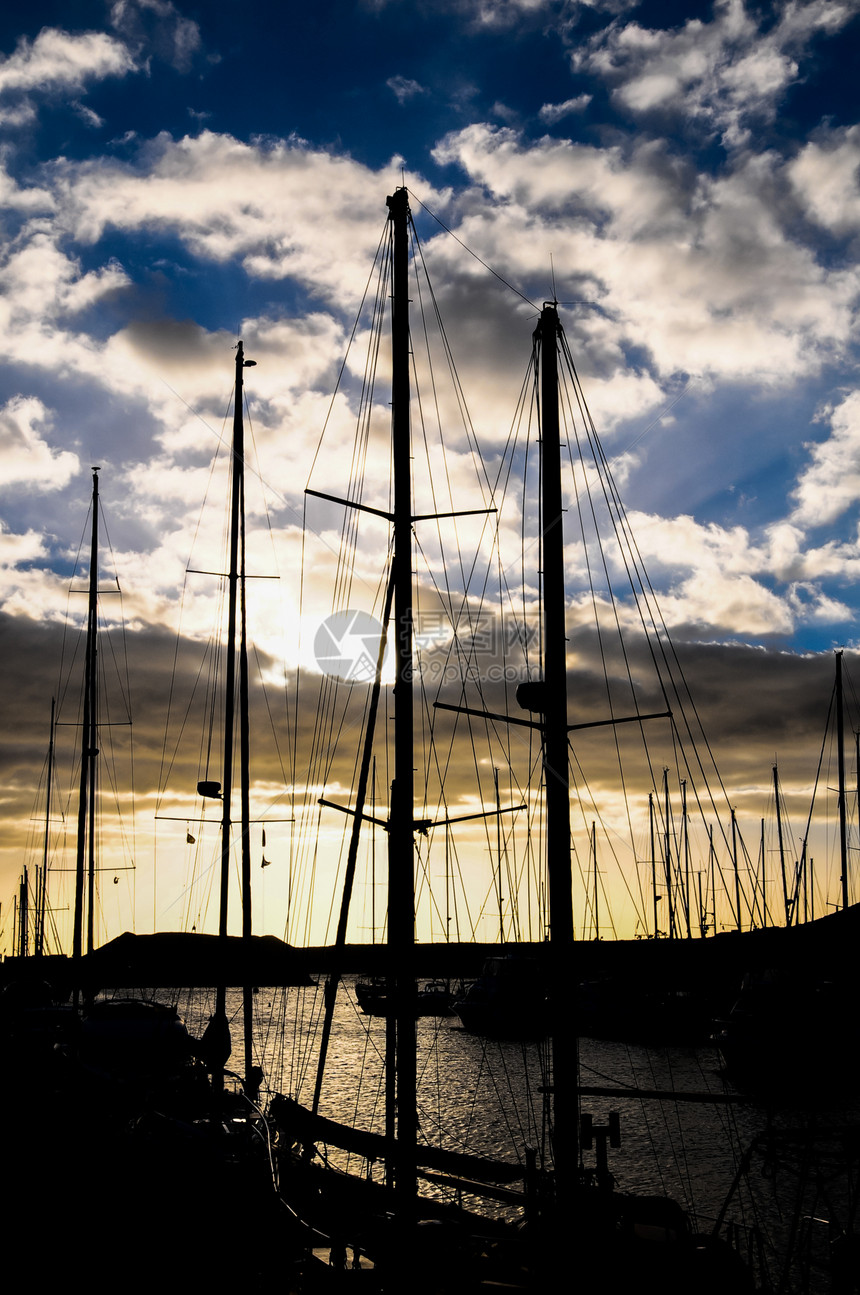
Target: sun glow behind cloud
705 241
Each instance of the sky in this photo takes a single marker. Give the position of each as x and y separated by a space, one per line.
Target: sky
682 178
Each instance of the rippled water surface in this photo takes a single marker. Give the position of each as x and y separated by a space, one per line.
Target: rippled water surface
488 1097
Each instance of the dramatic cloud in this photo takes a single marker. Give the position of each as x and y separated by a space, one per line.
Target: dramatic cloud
278 207
705 273
725 74
688 193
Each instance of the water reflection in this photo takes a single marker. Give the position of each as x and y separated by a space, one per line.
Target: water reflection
797 1188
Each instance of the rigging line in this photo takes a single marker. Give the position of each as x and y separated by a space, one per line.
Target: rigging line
349 529
582 788
252 439
164 775
223 442
64 680
303 811
421 419
123 680
274 801
629 549
503 593
658 417
820 763
468 425
531 385
571 425
464 654
328 735
383 240
631 555
428 715
468 249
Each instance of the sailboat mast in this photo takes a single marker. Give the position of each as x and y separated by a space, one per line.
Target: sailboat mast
236 597
245 755
712 859
736 870
840 756
594 861
667 857
401 903
555 730
499 857
654 896
42 904
368 763
22 947
781 845
684 828
86 801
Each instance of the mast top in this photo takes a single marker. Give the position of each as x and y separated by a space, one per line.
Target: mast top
397 201
548 319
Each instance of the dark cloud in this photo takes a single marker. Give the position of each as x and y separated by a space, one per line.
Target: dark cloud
740 702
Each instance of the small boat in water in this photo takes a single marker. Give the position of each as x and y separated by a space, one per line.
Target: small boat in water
509 1000
790 1031
434 998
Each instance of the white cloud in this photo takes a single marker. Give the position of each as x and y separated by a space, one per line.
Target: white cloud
42 285
736 604
732 584
499 13
21 549
725 73
697 274
15 198
552 113
27 459
825 177
279 207
87 116
57 62
831 483
403 88
705 273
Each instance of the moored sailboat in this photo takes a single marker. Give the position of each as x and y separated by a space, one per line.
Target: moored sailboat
621 1239
127 1108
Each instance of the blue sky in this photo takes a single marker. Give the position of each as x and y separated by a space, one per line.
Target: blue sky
173 173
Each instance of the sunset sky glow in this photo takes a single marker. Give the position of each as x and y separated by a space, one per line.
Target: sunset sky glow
683 178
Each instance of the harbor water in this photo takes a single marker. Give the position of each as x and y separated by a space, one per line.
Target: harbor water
780 1179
